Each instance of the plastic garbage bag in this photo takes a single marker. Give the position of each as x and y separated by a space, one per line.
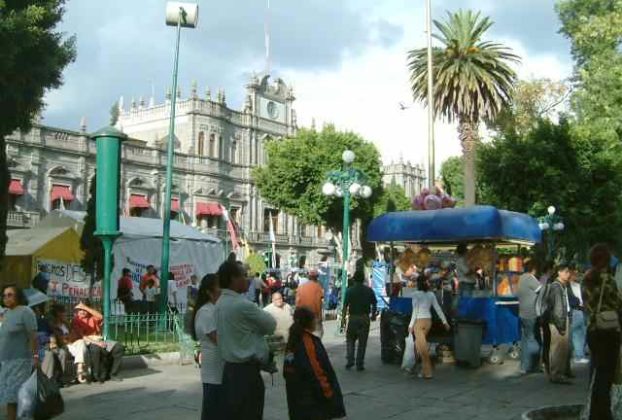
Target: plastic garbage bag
408 360
39 398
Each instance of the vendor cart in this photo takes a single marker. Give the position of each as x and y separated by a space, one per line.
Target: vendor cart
473 225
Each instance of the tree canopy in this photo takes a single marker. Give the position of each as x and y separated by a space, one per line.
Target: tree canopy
297 168
452 175
392 198
32 58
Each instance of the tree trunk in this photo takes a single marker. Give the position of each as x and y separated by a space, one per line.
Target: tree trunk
468 134
4 197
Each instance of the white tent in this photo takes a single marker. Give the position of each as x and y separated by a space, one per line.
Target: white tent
140 245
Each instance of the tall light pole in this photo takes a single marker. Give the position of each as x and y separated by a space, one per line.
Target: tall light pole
431 151
553 224
180 15
347 184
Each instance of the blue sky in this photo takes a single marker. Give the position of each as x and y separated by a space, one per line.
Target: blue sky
345 58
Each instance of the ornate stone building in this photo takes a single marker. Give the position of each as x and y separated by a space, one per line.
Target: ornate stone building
408 176
216 148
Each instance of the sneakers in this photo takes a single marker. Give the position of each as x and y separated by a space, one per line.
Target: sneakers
583 361
349 366
360 368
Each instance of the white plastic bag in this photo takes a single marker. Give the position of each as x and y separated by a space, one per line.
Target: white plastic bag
408 360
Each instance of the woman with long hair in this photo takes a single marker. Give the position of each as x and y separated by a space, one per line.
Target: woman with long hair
204 331
18 347
602 300
313 392
421 322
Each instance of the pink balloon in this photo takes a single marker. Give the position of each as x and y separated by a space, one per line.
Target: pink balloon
425 192
433 202
418 203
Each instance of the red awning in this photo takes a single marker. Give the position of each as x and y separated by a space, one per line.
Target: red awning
208 209
138 201
15 187
175 205
61 191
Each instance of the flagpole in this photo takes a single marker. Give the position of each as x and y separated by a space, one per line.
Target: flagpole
431 151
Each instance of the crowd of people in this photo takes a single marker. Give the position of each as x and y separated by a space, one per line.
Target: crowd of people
68 351
566 311
236 333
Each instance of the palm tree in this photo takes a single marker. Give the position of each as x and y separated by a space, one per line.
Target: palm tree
473 81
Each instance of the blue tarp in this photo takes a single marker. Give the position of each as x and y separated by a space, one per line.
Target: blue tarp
470 224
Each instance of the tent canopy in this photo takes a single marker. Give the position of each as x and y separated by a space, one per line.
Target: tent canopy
471 224
130 227
31 241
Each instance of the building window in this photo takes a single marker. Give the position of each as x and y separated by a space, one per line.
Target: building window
139 204
221 148
234 215
212 146
16 190
60 197
234 151
270 214
201 144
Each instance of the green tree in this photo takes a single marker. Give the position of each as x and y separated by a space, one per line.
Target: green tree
392 198
297 168
550 166
93 260
32 58
255 263
452 174
473 81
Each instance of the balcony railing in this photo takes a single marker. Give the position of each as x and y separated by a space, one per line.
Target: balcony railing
263 237
22 219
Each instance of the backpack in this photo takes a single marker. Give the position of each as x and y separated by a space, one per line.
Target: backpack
541 303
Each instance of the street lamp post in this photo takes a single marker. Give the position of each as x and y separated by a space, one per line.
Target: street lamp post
431 148
179 15
347 184
553 224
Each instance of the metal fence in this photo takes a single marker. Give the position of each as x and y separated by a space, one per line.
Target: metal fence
141 332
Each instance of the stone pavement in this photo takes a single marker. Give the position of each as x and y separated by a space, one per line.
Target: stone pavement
381 392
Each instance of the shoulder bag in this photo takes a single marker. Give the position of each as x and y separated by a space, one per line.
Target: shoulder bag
605 320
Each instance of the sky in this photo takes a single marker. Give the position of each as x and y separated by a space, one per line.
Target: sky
346 59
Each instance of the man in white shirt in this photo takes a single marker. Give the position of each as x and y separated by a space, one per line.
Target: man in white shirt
282 313
241 328
172 293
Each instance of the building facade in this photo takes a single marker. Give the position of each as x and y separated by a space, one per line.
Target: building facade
215 150
409 176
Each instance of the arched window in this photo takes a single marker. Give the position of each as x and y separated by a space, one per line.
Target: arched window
201 144
234 151
212 146
221 150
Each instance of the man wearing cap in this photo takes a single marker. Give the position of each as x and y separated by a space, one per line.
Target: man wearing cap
87 325
310 295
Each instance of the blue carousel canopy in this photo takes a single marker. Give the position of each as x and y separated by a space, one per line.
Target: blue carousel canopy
471 224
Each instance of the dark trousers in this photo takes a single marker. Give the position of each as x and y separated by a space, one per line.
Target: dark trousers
212 408
243 390
605 351
358 330
530 345
546 343
257 294
55 365
105 362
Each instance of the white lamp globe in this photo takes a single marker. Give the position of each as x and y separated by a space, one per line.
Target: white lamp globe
328 189
551 210
544 226
558 226
355 188
365 191
348 156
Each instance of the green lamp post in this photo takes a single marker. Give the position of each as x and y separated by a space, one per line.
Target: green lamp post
553 224
346 183
108 164
179 15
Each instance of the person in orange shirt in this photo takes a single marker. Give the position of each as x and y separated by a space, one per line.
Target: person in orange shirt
310 295
151 274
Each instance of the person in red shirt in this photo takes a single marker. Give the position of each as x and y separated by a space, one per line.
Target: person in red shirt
124 290
310 295
151 274
87 325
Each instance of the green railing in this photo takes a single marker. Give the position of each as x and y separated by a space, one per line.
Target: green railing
145 334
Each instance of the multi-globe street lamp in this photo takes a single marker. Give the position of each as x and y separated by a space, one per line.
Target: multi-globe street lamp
347 183
180 15
553 224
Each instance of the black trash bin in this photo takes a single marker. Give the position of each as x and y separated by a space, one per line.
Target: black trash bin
468 334
393 331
